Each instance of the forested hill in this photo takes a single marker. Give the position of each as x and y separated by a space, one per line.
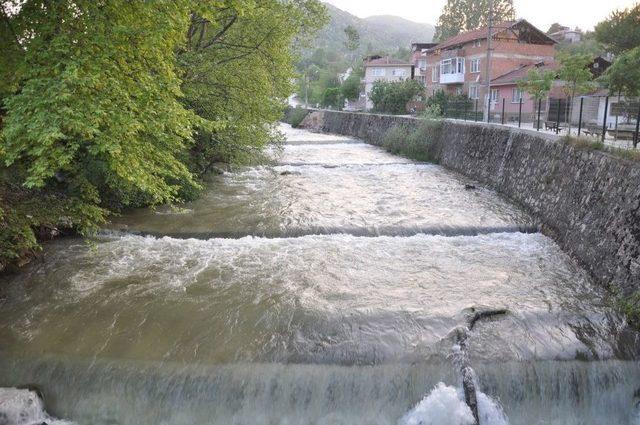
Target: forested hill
377 33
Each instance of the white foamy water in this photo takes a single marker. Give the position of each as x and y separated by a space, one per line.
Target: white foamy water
445 405
24 407
316 324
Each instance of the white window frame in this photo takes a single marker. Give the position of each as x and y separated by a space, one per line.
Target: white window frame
399 72
422 63
515 91
495 94
434 74
377 72
452 66
475 66
473 92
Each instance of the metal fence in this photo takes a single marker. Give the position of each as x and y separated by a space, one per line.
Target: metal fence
613 120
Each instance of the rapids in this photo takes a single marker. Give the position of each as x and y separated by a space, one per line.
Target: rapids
325 288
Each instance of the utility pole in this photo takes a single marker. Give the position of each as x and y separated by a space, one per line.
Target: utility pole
306 89
488 64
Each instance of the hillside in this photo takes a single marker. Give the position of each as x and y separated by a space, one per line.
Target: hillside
378 34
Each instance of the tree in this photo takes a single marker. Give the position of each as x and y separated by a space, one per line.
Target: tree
555 27
465 15
353 38
238 71
350 89
332 97
621 30
538 84
576 76
623 76
392 97
101 101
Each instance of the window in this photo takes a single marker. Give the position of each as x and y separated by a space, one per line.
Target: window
399 72
445 66
477 43
458 91
475 65
473 92
422 64
434 74
377 72
516 95
494 95
452 66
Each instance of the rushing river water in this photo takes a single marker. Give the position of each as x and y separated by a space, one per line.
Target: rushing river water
325 289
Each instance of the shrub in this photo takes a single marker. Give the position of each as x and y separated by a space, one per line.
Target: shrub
295 116
419 143
392 97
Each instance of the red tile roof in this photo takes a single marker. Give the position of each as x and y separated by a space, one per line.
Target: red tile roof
481 33
469 36
386 61
521 71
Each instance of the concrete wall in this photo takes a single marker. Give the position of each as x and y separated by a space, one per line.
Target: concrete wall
588 201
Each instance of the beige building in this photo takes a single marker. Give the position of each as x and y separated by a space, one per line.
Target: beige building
384 69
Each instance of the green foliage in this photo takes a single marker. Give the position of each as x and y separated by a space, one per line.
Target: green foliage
465 15
332 98
621 30
537 83
119 103
350 88
555 27
103 111
416 143
630 307
624 75
392 97
353 38
237 71
448 103
574 71
296 115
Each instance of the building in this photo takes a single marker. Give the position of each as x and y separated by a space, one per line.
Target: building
378 68
419 61
508 97
458 64
567 35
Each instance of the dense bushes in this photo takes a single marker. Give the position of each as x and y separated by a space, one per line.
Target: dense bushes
107 105
294 116
392 97
418 143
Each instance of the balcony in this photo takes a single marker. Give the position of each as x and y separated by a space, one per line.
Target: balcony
452 71
457 78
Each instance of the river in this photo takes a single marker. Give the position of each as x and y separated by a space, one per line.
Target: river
325 288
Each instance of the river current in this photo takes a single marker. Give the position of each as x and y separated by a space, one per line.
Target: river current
325 288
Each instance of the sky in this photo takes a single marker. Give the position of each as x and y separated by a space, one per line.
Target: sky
541 13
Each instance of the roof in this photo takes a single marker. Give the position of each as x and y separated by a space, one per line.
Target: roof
521 71
386 61
481 33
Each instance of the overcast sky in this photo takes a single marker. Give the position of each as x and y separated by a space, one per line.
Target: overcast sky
542 13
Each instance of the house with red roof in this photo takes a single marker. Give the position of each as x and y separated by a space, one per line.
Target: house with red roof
458 65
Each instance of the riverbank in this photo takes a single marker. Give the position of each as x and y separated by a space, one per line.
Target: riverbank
588 200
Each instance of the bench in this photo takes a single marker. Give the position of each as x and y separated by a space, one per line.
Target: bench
552 125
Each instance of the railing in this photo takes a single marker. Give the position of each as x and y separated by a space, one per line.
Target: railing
607 119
